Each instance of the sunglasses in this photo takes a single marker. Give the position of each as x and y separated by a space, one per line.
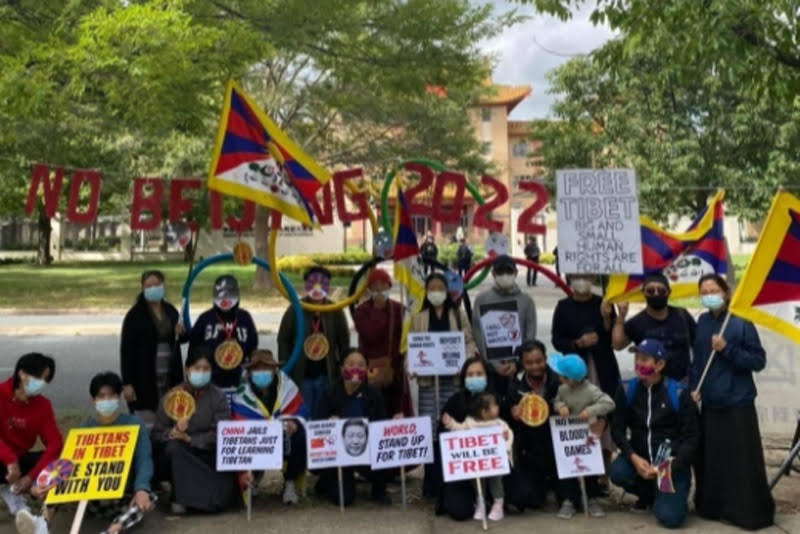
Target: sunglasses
656 291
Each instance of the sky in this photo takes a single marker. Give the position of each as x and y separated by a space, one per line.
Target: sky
521 57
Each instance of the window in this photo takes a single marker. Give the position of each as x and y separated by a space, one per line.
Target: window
486 149
486 114
520 149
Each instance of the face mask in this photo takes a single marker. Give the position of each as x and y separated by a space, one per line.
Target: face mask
106 407
262 379
199 379
354 374
226 304
34 386
381 294
712 302
437 298
505 281
644 371
581 286
657 302
153 293
475 384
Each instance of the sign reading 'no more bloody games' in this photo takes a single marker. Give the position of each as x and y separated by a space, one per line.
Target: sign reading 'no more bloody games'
476 453
101 459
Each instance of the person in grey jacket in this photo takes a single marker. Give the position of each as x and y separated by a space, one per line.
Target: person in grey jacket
507 305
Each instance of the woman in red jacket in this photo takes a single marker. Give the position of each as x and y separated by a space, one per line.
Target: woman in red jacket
24 416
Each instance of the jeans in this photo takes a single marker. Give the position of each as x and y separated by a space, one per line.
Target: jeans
313 391
669 508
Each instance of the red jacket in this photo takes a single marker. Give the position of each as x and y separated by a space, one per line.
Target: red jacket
21 423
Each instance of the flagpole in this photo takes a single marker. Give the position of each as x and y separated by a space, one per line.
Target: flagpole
713 353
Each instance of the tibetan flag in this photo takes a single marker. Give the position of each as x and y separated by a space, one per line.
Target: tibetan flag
769 291
407 269
682 257
253 159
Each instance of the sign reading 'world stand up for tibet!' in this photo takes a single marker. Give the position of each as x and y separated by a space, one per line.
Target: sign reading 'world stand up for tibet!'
598 221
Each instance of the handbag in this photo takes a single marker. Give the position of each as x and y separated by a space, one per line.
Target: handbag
380 371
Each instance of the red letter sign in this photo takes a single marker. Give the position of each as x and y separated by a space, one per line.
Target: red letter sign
41 174
146 203
525 224
453 215
425 181
178 205
324 214
501 197
78 177
359 199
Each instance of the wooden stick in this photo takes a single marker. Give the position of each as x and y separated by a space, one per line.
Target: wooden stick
403 486
341 490
76 522
481 504
249 502
713 353
584 497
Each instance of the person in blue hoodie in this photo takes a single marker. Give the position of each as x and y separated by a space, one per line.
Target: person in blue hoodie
106 391
730 472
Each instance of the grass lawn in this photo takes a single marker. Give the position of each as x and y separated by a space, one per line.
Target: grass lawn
115 285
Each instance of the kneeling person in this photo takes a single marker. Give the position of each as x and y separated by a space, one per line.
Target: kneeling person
660 414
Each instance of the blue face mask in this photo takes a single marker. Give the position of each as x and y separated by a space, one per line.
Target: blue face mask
106 407
34 386
261 379
712 302
475 384
154 293
199 379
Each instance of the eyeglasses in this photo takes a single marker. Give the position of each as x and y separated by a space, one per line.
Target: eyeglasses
656 291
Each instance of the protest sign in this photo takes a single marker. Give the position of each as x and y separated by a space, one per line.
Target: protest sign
249 445
337 443
577 450
598 221
436 353
476 453
400 442
496 244
101 460
501 329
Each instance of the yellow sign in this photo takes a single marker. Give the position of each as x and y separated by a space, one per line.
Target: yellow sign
102 458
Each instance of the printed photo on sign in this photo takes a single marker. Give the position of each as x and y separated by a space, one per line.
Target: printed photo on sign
100 459
399 442
249 445
496 244
501 329
337 443
436 353
577 450
598 221
476 453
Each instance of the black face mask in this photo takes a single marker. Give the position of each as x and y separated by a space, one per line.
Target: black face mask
657 302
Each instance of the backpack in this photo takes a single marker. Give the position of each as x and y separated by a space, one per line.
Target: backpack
674 390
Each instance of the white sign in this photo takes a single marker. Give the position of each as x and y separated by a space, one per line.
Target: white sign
337 443
577 449
249 445
399 442
502 332
496 244
598 221
476 453
436 353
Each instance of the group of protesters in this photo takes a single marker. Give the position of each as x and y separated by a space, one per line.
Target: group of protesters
712 432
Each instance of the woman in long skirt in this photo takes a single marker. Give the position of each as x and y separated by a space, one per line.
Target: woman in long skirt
730 472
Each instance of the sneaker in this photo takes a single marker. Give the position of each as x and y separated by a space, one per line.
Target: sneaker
496 513
290 493
177 508
567 510
640 507
14 501
596 509
27 523
479 511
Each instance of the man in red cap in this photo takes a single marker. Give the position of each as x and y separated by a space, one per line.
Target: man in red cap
379 323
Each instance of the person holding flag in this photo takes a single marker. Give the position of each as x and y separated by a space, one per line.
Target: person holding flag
731 477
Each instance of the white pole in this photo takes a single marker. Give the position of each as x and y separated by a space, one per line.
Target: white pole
76 522
713 353
341 490
403 485
481 504
584 497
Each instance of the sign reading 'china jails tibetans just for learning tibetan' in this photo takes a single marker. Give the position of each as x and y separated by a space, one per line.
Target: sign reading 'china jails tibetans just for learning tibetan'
101 460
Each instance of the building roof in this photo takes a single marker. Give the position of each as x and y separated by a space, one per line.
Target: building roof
519 128
508 95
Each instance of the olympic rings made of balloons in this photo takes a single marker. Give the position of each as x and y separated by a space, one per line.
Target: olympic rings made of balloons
438 167
527 263
300 327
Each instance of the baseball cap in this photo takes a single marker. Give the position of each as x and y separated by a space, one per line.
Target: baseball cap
503 261
264 357
651 347
571 366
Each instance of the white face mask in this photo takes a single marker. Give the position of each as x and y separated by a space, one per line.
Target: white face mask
505 281
384 294
437 298
581 286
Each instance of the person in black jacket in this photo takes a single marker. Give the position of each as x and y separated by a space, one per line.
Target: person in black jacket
535 469
429 252
150 352
663 423
224 323
352 397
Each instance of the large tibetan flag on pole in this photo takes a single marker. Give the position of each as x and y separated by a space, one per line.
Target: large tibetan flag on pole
769 291
682 257
255 160
406 263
